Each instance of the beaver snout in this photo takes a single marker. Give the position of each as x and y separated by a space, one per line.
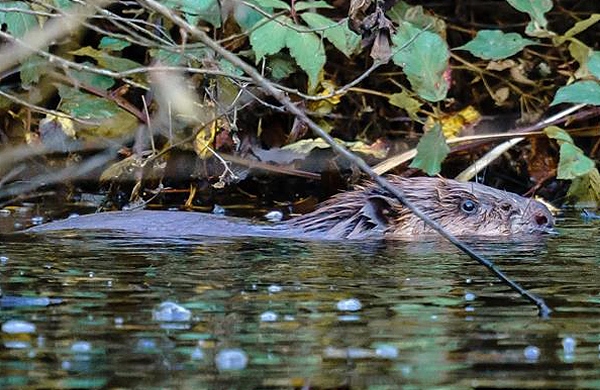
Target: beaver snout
542 218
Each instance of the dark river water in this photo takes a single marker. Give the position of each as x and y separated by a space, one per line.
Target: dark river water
89 311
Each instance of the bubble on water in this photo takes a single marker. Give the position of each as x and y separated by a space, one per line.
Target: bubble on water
231 359
197 354
81 347
274 216
3 259
171 312
289 317
37 220
469 309
219 210
146 344
17 344
4 213
18 326
91 274
468 280
349 318
268 316
66 365
387 351
569 344
119 321
470 297
351 304
274 288
531 353
358 353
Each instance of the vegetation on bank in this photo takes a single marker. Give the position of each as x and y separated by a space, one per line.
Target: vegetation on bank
122 96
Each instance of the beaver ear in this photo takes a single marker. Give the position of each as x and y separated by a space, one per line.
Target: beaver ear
379 210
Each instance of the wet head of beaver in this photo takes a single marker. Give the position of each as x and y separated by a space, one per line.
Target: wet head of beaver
464 209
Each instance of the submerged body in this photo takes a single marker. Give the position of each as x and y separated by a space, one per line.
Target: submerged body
464 209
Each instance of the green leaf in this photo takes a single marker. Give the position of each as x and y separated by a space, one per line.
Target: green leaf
107 61
579 27
32 69
269 38
85 106
585 191
308 51
167 57
423 55
92 79
495 44
17 23
64 4
573 162
195 10
407 103
593 64
303 5
246 17
277 4
281 66
114 44
111 120
431 151
535 9
403 12
339 35
586 92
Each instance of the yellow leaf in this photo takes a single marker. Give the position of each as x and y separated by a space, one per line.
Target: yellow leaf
204 139
454 124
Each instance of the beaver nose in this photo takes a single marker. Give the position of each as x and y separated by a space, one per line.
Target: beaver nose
543 218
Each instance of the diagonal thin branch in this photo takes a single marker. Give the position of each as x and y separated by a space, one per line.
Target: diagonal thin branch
543 309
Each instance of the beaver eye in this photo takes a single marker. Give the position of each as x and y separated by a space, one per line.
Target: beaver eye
468 206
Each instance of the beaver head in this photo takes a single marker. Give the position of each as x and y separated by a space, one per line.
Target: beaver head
463 209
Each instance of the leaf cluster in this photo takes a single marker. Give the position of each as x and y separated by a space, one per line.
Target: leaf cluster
361 70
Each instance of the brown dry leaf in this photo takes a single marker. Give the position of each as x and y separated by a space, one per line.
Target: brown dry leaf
500 65
540 163
518 73
500 95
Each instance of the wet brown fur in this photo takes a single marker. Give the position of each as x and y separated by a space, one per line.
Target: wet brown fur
368 211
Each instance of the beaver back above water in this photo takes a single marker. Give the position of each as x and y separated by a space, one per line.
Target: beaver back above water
368 211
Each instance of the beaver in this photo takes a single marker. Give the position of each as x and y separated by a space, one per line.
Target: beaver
367 211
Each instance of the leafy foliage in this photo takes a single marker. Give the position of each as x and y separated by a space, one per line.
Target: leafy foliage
586 92
17 23
431 151
423 56
105 77
496 45
573 162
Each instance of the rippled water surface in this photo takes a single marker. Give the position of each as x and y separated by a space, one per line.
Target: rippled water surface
82 311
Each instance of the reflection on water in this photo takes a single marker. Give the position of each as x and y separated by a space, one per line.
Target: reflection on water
91 312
